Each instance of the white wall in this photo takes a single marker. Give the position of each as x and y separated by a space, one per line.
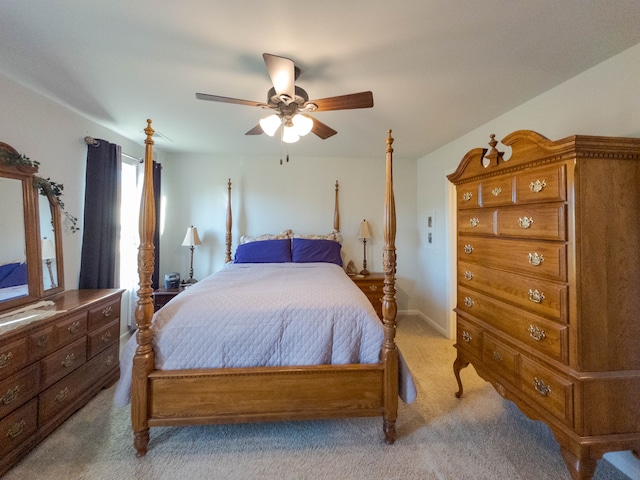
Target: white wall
268 197
601 101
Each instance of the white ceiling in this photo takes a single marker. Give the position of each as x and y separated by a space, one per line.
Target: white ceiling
437 68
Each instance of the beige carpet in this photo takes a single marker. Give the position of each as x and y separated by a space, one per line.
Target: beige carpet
480 436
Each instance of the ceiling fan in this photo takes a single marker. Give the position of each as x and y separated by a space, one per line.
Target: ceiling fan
290 104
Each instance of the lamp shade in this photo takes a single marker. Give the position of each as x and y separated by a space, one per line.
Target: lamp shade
289 134
191 238
302 124
270 124
48 249
364 230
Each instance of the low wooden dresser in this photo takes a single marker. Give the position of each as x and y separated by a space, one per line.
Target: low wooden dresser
372 286
548 306
51 367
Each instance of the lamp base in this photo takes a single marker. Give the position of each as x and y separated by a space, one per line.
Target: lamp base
190 281
364 271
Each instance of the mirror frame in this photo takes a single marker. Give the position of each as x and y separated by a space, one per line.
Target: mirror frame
56 221
24 173
13 166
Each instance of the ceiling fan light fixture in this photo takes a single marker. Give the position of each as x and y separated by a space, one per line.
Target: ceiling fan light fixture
270 124
302 124
289 134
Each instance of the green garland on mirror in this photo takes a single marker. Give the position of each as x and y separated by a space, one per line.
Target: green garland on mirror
46 186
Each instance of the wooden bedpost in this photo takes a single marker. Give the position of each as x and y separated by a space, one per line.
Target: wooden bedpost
144 359
336 211
389 307
227 256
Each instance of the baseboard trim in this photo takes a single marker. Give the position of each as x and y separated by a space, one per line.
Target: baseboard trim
426 319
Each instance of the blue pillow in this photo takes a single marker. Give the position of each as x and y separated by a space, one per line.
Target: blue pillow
306 251
264 251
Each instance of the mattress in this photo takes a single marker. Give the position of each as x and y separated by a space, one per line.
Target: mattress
247 315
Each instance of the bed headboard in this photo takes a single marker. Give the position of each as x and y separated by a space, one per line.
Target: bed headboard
229 236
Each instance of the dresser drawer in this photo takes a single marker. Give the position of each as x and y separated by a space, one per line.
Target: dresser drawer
497 191
105 314
42 343
70 329
477 221
541 297
468 336
542 185
547 337
63 362
19 388
103 337
500 357
64 393
539 259
372 286
469 195
18 427
13 357
552 391
543 222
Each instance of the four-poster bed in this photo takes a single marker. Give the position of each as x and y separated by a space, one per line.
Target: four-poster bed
263 393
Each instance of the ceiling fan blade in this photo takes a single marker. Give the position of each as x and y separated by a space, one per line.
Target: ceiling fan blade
217 98
322 130
257 130
282 73
345 102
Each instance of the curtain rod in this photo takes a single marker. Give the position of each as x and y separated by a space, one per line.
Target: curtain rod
95 143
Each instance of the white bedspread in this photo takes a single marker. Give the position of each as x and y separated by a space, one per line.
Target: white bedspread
264 315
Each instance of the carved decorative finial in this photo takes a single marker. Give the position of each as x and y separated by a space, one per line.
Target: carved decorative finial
494 156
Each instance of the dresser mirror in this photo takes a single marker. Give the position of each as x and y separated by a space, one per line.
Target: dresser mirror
26 219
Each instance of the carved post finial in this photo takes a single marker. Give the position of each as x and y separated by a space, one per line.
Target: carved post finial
494 156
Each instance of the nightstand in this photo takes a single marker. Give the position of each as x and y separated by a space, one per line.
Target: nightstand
161 296
372 286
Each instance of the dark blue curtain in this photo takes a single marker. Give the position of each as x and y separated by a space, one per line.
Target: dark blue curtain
101 216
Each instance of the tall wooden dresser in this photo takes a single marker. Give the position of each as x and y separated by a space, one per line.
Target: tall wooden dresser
49 368
548 306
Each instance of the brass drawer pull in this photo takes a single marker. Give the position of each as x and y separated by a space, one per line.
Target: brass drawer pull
106 337
535 296
74 327
467 196
109 360
11 395
468 248
4 359
496 191
525 222
68 361
537 333
474 222
541 387
537 186
373 288
468 275
16 429
535 259
497 356
43 341
62 394
107 311
468 301
466 336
